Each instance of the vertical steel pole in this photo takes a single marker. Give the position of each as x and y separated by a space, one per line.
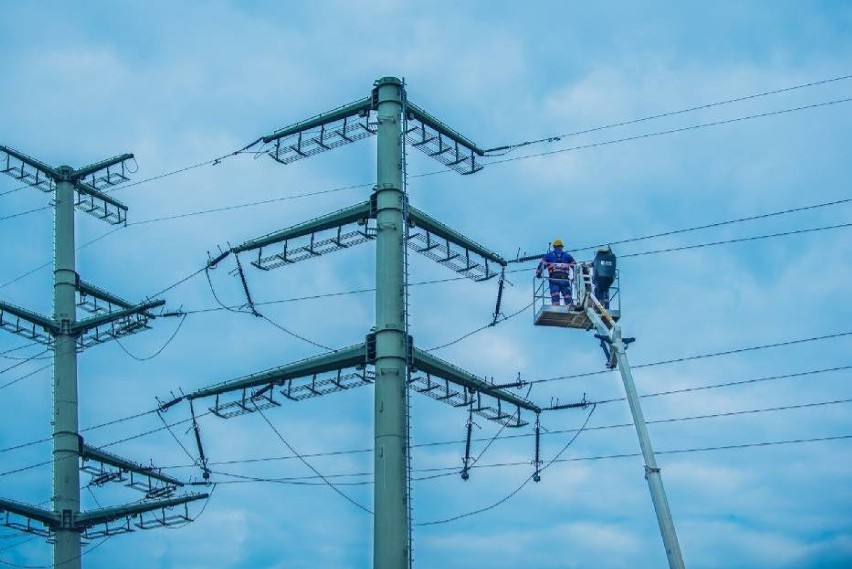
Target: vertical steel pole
390 526
66 442
652 471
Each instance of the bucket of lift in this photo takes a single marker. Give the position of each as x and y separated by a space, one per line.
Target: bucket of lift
548 313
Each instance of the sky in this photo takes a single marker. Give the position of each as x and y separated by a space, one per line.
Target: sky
758 471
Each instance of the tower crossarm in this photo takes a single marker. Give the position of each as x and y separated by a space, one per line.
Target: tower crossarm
19 172
350 357
417 113
91 453
33 318
435 240
88 289
94 299
437 140
86 181
104 515
350 110
40 515
345 216
95 202
98 167
326 131
95 321
427 363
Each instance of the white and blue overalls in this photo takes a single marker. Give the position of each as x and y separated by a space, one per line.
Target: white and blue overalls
558 264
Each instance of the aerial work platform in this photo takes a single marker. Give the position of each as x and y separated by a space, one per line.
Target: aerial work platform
585 311
573 316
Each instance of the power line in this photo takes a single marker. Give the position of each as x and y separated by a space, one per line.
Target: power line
699 227
454 279
558 137
641 238
309 465
212 161
25 376
495 162
693 127
25 360
47 264
557 378
519 488
158 352
21 213
249 204
701 356
595 428
734 383
86 552
481 328
662 132
113 443
738 240
669 451
10 350
298 336
454 469
12 191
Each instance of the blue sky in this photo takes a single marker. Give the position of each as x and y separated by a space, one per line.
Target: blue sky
180 83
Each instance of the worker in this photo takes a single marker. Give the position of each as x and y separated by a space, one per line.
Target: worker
603 274
559 265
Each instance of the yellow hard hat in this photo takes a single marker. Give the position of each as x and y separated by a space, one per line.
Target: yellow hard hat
558 243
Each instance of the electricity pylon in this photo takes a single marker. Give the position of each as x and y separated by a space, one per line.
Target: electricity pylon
112 318
388 357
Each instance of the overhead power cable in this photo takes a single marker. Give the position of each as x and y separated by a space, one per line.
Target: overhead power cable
25 376
519 488
495 162
701 356
558 137
737 240
310 466
212 161
110 444
452 470
249 204
158 352
536 257
84 553
13 190
25 360
555 432
299 336
22 213
559 378
495 322
667 132
48 263
696 228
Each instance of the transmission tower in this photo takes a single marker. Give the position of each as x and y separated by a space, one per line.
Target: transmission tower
112 317
388 357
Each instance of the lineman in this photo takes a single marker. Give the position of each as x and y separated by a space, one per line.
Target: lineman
559 265
604 274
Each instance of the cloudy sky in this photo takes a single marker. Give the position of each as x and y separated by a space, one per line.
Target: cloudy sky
758 471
